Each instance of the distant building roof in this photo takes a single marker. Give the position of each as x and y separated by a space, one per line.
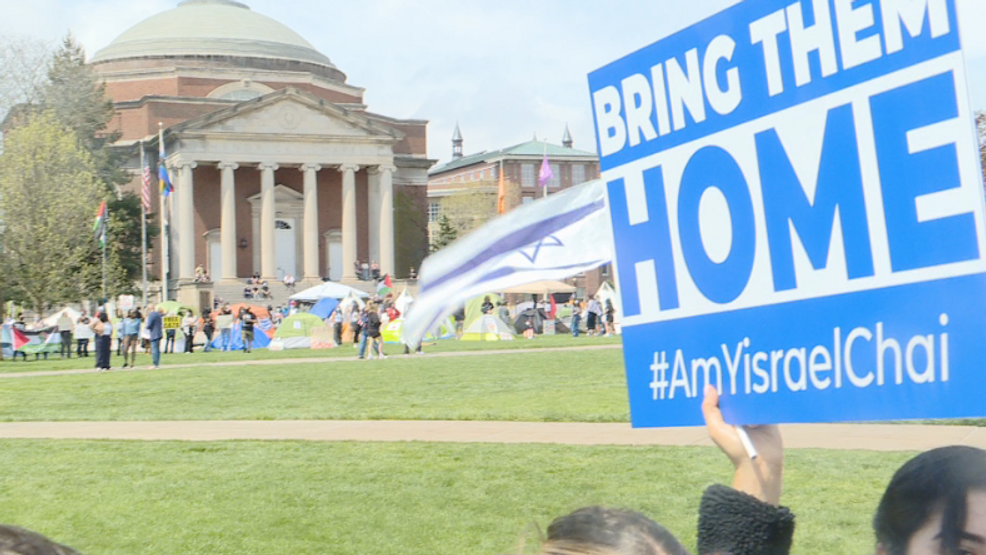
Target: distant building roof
534 149
211 28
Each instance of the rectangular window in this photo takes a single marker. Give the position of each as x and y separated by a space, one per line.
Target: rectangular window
434 211
528 176
555 180
578 174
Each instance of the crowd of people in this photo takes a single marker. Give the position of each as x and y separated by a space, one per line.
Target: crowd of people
935 504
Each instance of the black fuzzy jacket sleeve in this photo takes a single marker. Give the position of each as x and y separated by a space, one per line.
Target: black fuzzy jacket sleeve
734 523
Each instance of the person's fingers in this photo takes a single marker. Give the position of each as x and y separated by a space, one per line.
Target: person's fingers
710 408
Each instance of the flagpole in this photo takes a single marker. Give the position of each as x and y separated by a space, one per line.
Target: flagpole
105 226
164 223
143 227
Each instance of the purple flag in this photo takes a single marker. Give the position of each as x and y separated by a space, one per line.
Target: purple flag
545 175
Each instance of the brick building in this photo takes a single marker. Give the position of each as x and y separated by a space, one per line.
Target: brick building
278 165
520 165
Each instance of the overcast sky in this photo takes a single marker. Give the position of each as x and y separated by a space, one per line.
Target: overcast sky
505 69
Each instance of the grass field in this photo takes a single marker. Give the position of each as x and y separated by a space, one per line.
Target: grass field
584 386
364 499
198 357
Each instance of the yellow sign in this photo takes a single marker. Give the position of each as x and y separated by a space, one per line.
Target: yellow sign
172 322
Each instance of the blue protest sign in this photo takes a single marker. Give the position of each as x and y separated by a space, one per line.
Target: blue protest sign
798 215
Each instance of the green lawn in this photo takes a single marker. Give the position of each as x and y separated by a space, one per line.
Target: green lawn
74 363
364 499
544 386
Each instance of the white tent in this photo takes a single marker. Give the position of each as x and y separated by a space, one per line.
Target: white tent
329 289
351 300
52 320
403 301
488 328
607 293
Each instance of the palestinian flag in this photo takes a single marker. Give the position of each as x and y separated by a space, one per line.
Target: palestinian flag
17 338
385 287
99 227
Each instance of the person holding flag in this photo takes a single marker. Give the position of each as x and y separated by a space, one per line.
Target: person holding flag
99 231
385 287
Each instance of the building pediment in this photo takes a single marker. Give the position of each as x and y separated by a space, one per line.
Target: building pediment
289 112
282 195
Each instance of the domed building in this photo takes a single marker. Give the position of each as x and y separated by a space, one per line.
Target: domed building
278 166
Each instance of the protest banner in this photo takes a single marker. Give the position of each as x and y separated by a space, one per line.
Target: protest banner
172 322
224 321
798 216
126 302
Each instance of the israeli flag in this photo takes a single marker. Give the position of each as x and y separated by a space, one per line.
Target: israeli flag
551 238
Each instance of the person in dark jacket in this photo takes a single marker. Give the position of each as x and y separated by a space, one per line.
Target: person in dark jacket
18 541
747 520
155 331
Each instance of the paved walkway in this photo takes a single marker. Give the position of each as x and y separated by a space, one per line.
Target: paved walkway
326 360
876 437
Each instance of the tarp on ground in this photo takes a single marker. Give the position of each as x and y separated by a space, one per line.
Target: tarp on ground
324 307
297 331
474 307
391 332
487 327
328 289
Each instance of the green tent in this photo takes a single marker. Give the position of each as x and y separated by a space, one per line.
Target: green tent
296 332
474 307
171 308
391 332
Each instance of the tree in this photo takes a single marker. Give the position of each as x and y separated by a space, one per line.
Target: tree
77 96
411 231
49 194
446 234
24 64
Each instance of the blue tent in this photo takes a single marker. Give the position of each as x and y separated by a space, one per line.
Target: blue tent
260 339
324 307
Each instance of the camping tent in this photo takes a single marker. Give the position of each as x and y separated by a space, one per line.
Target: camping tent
350 300
391 332
404 300
52 320
324 307
607 293
543 287
296 332
260 338
328 289
172 308
259 312
487 328
474 307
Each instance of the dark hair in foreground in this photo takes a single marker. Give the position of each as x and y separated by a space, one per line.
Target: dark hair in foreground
17 541
599 530
940 479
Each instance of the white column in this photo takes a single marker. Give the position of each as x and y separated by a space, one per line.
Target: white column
227 234
348 221
387 263
310 240
373 196
268 213
186 231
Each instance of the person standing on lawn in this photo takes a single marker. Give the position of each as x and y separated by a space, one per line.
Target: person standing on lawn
208 328
226 329
336 320
65 327
131 337
190 325
576 317
154 334
82 335
248 319
103 329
